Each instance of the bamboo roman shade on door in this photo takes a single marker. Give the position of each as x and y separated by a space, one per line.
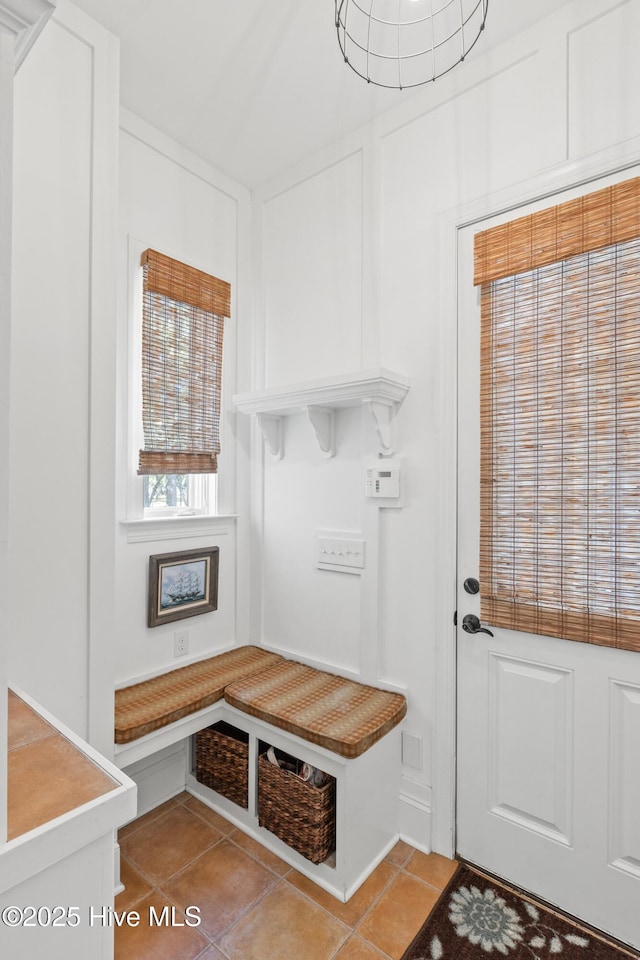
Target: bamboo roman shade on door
560 420
183 315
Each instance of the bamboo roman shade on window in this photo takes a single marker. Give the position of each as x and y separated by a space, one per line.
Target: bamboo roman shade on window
560 420
182 329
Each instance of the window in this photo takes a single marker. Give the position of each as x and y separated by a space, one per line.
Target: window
560 420
183 313
179 493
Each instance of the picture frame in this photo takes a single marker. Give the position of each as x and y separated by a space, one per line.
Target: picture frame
182 584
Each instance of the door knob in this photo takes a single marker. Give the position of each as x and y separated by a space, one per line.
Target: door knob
471 624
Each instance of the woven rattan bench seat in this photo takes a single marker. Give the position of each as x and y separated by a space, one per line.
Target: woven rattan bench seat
151 704
339 714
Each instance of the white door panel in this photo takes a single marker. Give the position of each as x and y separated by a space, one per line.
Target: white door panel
624 818
530 709
548 753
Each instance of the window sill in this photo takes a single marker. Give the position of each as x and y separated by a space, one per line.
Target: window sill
177 528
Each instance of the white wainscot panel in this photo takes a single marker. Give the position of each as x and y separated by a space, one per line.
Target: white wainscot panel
531 745
177 211
313 276
624 794
312 613
139 650
604 79
486 139
50 359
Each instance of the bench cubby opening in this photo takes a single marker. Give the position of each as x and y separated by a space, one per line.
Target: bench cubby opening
250 698
297 803
222 761
366 826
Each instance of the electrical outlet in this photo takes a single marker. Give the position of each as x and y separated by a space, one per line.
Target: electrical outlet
180 643
412 750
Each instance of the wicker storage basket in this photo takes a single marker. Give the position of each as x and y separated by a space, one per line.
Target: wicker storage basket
299 813
222 761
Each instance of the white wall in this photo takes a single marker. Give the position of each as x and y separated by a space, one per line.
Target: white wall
7 45
314 275
355 254
61 495
357 267
89 185
175 203
310 613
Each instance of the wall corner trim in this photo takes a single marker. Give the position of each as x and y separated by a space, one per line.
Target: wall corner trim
25 20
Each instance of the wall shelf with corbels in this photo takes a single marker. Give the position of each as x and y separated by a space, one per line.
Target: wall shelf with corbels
380 391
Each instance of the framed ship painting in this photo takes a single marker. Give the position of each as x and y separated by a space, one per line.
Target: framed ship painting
183 584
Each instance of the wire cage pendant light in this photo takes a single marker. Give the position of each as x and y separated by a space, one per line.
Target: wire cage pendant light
405 43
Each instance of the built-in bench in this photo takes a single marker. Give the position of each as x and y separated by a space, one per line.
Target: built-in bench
144 707
341 715
335 724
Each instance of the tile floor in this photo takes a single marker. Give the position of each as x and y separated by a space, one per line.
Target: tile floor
254 906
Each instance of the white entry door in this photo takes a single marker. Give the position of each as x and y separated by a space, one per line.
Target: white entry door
548 752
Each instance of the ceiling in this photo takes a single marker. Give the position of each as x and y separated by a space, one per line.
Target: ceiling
253 86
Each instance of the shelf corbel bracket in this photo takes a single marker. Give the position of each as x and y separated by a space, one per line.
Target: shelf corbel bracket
322 419
271 427
383 415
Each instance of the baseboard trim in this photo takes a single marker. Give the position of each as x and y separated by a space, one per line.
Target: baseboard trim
160 777
414 818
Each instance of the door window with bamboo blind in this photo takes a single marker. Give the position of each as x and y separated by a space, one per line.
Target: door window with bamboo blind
183 314
560 420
